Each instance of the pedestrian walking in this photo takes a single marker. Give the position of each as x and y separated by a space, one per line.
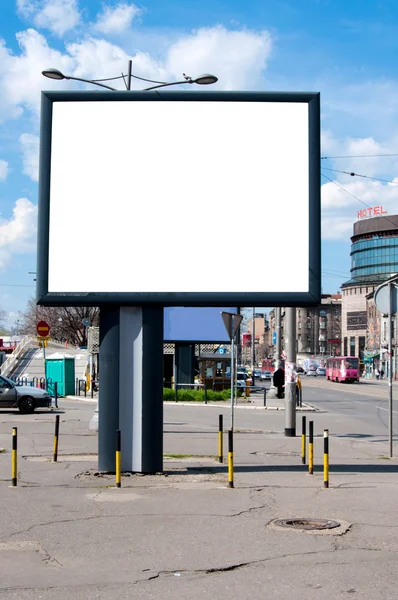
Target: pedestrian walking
279 381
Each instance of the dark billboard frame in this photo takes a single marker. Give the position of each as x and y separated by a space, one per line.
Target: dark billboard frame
210 299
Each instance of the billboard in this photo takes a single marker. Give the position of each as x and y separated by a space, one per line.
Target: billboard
192 324
156 182
356 320
246 340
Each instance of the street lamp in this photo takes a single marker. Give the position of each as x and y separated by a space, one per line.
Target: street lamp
205 79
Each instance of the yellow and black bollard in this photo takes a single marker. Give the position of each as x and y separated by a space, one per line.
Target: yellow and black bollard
14 456
118 459
230 459
220 438
303 439
311 448
326 458
56 435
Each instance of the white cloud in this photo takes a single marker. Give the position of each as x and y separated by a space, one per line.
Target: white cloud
3 170
115 19
20 75
18 234
334 228
237 58
30 155
58 16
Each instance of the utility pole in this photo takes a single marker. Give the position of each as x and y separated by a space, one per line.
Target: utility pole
253 345
290 372
390 363
278 344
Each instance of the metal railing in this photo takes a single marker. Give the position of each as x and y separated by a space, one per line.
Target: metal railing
38 382
12 360
81 386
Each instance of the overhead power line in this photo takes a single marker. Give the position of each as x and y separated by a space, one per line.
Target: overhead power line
356 197
358 156
358 175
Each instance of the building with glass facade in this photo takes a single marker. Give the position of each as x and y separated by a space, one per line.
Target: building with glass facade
374 259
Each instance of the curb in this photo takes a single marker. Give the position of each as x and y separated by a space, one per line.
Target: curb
306 408
81 398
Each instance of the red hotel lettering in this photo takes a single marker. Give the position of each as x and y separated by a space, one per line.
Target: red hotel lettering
368 212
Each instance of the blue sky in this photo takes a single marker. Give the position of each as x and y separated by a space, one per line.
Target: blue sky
345 50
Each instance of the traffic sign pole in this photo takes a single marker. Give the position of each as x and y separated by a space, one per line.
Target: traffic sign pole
43 330
232 322
386 301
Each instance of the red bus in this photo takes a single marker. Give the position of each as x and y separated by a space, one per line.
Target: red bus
342 368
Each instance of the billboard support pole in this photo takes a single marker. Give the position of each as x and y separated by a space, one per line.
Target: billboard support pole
131 392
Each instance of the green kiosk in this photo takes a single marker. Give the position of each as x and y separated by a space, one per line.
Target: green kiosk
60 369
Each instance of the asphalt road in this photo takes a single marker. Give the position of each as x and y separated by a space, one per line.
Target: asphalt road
360 408
66 531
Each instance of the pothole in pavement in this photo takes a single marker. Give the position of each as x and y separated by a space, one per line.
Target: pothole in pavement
314 526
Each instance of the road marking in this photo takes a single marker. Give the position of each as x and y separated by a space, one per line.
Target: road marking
387 409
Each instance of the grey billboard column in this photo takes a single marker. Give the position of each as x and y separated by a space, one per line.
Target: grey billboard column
108 398
131 388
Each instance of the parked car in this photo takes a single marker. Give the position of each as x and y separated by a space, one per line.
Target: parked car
24 397
311 373
321 371
266 376
257 373
241 377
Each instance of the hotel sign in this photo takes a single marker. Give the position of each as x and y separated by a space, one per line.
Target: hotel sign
375 211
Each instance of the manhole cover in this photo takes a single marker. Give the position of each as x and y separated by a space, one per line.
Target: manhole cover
306 524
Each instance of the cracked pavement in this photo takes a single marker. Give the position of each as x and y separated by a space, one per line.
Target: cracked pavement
66 531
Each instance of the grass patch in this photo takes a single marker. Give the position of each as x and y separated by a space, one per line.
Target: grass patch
197 395
178 455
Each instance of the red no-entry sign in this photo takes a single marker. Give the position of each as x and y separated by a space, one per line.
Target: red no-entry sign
43 329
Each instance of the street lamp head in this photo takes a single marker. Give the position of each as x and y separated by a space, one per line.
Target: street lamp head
206 79
53 74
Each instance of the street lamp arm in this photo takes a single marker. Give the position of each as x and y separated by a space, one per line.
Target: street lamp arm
168 84
108 87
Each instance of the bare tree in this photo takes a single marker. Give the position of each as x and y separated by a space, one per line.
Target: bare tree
3 317
66 323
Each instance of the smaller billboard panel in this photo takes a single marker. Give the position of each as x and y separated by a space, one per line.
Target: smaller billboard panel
191 324
356 320
246 340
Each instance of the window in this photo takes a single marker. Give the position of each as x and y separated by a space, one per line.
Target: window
345 351
351 363
361 348
352 345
